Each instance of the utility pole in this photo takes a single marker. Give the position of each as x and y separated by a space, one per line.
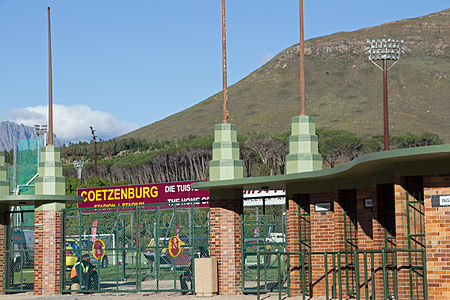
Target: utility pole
94 137
385 50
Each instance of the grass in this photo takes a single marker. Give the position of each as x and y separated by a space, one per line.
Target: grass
334 81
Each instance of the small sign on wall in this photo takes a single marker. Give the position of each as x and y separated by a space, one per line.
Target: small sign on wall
322 206
440 200
368 202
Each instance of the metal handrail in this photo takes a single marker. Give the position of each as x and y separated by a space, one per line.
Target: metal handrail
386 267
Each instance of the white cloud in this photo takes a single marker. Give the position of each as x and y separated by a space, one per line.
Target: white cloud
71 123
266 58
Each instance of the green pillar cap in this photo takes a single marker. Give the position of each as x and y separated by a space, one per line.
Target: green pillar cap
50 180
225 163
303 146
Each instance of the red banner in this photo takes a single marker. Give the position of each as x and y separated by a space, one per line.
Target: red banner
131 195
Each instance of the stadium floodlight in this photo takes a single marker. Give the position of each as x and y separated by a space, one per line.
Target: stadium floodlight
385 51
40 129
78 164
94 138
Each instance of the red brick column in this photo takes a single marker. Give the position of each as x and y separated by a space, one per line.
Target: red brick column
401 237
383 219
225 239
294 204
366 225
4 221
413 186
437 237
327 232
47 252
365 217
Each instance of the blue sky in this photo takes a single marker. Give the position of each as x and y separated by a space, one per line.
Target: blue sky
121 65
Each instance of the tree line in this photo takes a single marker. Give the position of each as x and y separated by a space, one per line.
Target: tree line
135 161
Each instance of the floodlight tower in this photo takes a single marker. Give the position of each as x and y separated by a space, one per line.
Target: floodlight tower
94 138
41 130
385 50
78 164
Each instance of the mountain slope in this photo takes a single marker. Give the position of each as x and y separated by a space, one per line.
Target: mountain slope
10 131
343 88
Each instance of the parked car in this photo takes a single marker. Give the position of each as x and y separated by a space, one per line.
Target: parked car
76 248
72 253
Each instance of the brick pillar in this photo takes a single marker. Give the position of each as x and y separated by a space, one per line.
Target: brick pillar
4 221
383 219
365 233
47 249
225 238
437 236
327 232
413 186
401 237
292 241
4 218
365 217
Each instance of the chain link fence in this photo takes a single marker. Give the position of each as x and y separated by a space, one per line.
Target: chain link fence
19 253
141 248
263 229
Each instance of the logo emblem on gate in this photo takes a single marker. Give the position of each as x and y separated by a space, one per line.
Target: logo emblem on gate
98 249
174 246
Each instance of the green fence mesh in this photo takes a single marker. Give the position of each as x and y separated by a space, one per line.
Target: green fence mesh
28 151
19 254
138 243
263 229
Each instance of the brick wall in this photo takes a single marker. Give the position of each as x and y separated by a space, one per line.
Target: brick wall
225 242
47 252
437 228
365 217
292 241
327 231
411 188
4 221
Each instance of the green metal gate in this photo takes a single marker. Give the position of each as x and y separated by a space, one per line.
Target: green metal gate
415 213
19 252
263 226
137 254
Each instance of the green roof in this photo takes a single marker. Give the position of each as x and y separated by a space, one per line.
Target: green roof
363 171
37 199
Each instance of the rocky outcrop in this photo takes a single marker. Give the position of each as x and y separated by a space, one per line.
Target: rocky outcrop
10 131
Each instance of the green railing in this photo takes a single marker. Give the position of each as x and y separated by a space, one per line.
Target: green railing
370 268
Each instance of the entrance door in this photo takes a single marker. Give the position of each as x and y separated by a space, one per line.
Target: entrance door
172 236
263 229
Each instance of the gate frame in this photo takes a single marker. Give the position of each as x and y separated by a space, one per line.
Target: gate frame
190 206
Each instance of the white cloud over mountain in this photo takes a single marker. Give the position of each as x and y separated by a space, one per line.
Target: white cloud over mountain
71 123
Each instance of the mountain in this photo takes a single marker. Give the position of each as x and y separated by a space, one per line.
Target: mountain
10 131
343 88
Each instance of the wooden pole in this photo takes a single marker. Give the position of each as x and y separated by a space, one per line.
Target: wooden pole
302 64
50 93
224 65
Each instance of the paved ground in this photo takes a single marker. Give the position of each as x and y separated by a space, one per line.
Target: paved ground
141 296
